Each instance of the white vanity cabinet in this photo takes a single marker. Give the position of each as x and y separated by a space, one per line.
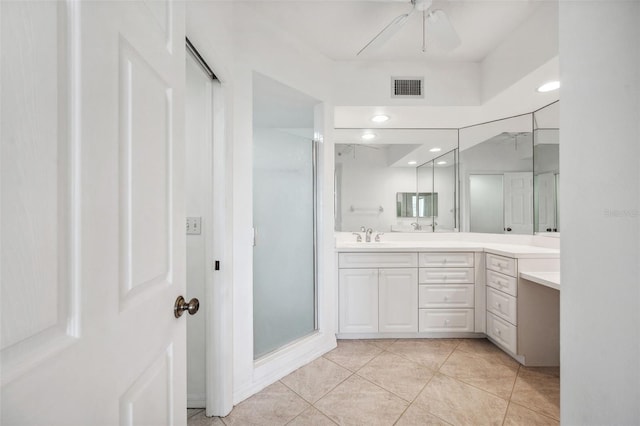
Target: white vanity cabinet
513 313
378 292
446 292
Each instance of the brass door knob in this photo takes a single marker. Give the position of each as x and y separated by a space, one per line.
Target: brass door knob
181 305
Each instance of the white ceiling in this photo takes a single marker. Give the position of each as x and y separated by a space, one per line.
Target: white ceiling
339 29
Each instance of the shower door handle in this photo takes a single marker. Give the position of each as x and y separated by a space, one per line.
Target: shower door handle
181 305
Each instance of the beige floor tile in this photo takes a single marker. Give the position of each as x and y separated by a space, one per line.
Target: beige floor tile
359 402
381 343
488 375
431 353
418 416
315 379
483 348
461 404
311 417
518 415
353 354
199 419
396 374
193 411
274 405
538 389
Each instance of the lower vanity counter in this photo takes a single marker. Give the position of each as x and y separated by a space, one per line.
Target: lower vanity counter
447 289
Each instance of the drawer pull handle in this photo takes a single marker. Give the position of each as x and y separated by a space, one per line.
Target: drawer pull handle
446 322
446 298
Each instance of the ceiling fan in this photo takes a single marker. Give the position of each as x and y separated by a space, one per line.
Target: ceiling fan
435 26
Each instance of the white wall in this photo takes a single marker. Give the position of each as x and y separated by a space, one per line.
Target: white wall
445 84
530 46
600 298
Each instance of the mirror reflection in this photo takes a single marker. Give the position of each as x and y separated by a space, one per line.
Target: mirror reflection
439 177
370 174
496 173
411 204
496 177
546 168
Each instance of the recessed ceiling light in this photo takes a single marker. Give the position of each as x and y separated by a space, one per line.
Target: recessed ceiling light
549 86
379 118
368 136
435 150
440 163
412 163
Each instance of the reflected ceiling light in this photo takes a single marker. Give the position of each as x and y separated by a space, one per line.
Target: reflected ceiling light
435 150
549 86
411 163
440 163
379 118
368 136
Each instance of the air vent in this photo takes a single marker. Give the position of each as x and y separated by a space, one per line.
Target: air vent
407 87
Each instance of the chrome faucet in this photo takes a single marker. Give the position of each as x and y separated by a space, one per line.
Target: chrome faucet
368 235
416 226
377 239
359 237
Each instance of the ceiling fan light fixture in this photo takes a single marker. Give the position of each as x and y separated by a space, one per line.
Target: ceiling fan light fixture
380 118
549 86
435 149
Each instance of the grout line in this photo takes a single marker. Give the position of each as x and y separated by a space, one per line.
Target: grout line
514 382
504 419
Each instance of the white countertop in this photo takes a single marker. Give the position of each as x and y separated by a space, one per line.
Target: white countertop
549 279
518 251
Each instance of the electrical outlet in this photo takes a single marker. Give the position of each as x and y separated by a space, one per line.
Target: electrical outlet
194 225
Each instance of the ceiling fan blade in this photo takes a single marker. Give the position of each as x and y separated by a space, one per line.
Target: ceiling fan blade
388 32
440 31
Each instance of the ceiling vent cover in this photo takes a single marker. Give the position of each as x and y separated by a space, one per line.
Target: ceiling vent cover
407 87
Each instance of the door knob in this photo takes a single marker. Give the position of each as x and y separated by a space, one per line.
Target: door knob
181 305
508 229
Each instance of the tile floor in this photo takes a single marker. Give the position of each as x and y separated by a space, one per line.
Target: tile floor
404 382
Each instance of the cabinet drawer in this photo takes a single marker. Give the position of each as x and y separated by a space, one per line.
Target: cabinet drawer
502 304
446 276
446 296
502 282
445 320
506 265
502 332
377 260
449 260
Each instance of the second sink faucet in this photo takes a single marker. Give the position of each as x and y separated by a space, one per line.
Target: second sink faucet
368 235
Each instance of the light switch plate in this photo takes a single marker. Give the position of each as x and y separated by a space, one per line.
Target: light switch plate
194 225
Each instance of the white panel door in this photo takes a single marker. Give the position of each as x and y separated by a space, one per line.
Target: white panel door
398 300
518 203
358 300
546 196
93 241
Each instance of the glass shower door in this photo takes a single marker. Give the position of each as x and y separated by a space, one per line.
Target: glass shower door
284 259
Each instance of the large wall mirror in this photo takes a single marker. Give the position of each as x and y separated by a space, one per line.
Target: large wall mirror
546 168
496 176
378 184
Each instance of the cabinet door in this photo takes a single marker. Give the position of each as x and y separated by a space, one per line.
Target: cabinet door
358 300
398 300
